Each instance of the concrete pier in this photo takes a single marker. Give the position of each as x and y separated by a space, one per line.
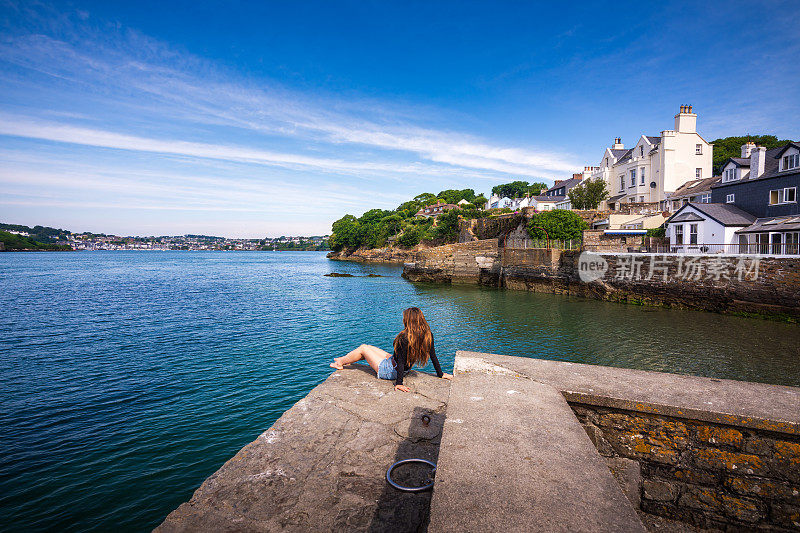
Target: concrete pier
522 445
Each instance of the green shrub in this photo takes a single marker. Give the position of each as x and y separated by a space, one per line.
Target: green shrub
560 225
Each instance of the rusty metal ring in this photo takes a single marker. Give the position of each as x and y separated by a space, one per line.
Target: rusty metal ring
410 489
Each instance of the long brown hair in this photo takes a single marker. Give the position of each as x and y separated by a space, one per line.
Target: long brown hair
419 337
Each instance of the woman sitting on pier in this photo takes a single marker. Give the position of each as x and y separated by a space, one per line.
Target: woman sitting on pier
412 346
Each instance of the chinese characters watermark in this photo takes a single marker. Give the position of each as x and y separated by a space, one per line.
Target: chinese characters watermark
593 267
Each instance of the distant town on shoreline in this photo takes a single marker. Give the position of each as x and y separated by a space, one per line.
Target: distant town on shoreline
16 237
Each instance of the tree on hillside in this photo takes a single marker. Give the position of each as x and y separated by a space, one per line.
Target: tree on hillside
515 189
391 225
344 233
453 196
537 188
518 189
426 198
588 194
560 224
728 147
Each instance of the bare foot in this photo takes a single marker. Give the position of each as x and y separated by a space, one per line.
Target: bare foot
336 364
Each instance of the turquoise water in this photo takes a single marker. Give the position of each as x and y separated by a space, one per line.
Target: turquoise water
129 377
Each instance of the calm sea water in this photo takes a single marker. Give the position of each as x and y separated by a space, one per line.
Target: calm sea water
129 377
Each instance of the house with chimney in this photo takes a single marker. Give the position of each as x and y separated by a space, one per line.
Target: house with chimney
434 210
753 209
764 183
655 166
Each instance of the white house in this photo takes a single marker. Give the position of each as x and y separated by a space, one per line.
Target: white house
655 165
707 228
545 203
498 202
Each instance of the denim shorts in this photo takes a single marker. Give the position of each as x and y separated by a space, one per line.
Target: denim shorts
386 369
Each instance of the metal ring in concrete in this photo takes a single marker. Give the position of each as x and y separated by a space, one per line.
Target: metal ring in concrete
410 489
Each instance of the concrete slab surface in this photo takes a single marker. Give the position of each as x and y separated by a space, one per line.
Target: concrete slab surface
745 404
322 465
515 458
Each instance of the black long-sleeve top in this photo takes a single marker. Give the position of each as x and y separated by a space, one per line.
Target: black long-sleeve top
401 359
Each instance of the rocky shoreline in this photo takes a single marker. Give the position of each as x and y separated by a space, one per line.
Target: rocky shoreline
375 255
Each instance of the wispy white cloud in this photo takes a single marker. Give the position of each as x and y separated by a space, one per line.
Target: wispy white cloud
112 89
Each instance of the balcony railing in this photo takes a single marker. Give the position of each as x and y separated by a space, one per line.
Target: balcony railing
783 248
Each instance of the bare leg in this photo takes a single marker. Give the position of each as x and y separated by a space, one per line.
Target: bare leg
372 354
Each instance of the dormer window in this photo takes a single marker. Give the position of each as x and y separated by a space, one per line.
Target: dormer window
790 161
729 174
786 195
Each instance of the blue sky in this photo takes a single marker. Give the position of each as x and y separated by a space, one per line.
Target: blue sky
267 119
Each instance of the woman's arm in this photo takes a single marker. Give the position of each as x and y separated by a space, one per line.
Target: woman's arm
435 361
436 365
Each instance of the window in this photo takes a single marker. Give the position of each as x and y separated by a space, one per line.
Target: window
729 175
679 234
633 177
641 176
744 244
762 243
729 199
792 243
790 161
705 198
698 149
786 195
698 173
692 233
641 151
776 243
622 183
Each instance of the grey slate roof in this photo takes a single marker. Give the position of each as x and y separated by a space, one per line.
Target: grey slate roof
772 158
789 223
544 198
653 140
619 152
687 217
567 184
701 185
617 197
626 156
725 214
739 161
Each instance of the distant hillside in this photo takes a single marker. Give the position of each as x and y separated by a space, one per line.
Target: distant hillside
732 147
41 234
13 243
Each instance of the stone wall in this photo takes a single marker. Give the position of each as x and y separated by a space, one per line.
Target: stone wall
710 475
598 241
471 262
710 283
489 227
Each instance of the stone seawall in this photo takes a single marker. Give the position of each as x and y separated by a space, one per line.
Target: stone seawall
725 284
710 475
